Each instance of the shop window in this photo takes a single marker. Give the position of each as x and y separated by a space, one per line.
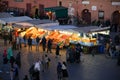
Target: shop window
101 15
18 0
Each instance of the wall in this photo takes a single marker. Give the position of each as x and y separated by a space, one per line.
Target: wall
36 3
104 5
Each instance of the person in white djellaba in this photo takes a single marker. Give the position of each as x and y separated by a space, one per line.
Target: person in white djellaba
37 69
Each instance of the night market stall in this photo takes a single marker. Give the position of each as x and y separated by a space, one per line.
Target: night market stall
35 28
91 39
10 20
64 34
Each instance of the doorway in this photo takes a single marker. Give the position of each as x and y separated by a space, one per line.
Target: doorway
116 21
86 16
116 17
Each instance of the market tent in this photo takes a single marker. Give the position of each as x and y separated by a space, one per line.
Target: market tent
89 29
60 27
22 25
38 23
14 19
5 15
72 31
100 29
60 11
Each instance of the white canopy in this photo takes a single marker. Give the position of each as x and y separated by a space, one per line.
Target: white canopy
60 27
14 19
38 23
91 29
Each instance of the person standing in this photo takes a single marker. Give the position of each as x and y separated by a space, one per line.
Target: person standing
71 54
64 71
47 62
18 59
5 53
93 52
10 37
5 60
57 50
59 71
78 51
107 47
20 43
49 45
12 60
16 75
9 53
5 38
14 43
25 40
67 53
29 43
44 43
37 69
37 43
31 71
17 42
43 62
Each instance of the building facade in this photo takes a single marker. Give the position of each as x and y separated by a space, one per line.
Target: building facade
88 10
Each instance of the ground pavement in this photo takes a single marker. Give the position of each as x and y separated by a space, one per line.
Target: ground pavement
92 68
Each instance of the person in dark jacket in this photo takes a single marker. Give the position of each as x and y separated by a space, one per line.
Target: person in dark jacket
29 43
12 60
18 59
5 38
59 71
25 40
37 43
78 51
10 37
49 45
43 43
57 50
71 54
64 71
31 72
16 73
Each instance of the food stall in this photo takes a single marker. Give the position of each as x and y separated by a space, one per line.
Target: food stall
34 28
89 37
9 21
64 34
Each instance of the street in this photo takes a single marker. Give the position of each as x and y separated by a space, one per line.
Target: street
91 68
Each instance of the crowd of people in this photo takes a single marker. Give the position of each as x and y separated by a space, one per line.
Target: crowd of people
14 61
73 55
41 65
